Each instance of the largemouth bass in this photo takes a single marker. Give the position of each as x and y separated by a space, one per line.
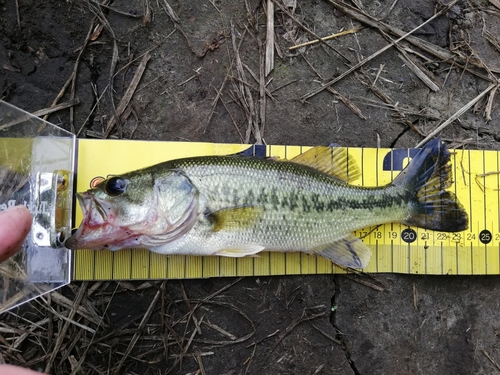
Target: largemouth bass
237 206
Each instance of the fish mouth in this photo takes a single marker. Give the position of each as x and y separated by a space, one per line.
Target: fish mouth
97 220
85 205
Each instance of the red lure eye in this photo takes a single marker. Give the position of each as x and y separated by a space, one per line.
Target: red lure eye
96 181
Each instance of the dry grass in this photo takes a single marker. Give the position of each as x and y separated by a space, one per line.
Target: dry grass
147 327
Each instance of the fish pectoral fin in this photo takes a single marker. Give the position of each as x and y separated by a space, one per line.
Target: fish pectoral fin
348 252
234 217
334 161
240 251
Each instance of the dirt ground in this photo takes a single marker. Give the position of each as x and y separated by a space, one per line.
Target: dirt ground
200 75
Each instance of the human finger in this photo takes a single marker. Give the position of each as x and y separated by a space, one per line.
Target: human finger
15 223
14 370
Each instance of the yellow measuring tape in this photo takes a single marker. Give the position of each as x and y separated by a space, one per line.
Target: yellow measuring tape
396 248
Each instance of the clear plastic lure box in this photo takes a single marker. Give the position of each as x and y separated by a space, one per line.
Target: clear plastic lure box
36 170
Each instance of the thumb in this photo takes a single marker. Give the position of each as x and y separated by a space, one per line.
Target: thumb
15 223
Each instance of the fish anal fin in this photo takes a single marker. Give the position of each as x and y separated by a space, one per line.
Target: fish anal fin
334 161
240 251
234 217
347 252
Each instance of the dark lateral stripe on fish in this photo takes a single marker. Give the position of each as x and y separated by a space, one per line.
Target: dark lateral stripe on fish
368 203
315 202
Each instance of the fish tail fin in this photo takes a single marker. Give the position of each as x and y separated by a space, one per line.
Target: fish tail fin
427 177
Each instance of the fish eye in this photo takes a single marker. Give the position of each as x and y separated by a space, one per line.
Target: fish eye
116 186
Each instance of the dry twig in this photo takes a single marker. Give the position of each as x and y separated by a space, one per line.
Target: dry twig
333 36
310 32
269 38
245 96
128 95
456 115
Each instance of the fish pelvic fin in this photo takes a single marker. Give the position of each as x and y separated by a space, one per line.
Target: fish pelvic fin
349 252
426 179
334 161
240 251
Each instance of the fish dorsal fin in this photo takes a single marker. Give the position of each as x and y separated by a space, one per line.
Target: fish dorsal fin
334 161
234 217
348 252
